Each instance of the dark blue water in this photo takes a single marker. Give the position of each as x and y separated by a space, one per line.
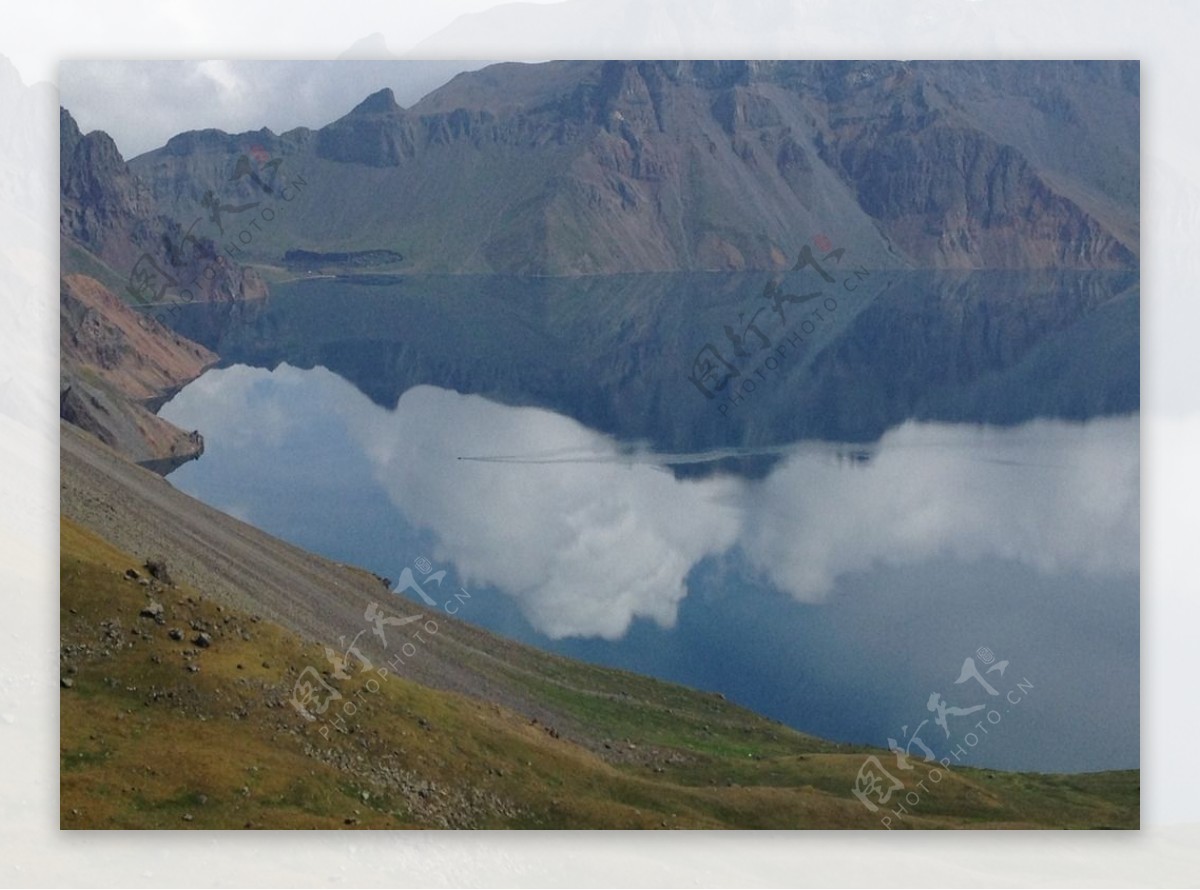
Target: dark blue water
834 587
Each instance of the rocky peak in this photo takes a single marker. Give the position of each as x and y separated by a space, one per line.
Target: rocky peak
108 212
100 197
376 133
68 137
380 102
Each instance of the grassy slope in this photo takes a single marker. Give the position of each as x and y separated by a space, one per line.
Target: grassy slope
147 744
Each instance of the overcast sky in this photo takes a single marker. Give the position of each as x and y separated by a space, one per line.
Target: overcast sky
143 104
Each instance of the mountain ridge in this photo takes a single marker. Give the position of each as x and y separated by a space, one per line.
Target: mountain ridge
570 168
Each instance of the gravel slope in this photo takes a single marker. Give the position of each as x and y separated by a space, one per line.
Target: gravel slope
237 564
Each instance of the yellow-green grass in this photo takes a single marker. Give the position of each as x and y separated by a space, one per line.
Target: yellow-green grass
145 743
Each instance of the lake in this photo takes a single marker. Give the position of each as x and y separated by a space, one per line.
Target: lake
941 467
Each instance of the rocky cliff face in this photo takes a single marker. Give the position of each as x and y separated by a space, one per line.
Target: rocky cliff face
118 365
133 352
952 195
108 219
606 167
117 368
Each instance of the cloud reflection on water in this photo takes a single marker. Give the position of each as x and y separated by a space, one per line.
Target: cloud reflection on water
587 534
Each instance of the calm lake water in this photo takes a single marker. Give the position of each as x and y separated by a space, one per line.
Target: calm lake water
934 476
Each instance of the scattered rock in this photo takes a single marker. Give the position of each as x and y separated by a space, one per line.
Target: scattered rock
175 633
132 574
158 570
152 609
66 682
192 668
187 817
202 640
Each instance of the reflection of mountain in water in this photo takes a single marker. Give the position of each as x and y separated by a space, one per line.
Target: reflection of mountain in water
616 352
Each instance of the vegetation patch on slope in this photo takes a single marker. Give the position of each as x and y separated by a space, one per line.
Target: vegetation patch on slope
176 714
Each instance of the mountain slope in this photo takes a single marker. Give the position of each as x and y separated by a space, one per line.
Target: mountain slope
117 369
161 730
604 167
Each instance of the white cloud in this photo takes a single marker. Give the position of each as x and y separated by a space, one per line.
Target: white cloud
224 76
1056 496
583 547
143 104
587 538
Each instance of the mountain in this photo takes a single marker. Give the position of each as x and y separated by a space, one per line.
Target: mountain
117 369
569 168
572 168
111 229
118 366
